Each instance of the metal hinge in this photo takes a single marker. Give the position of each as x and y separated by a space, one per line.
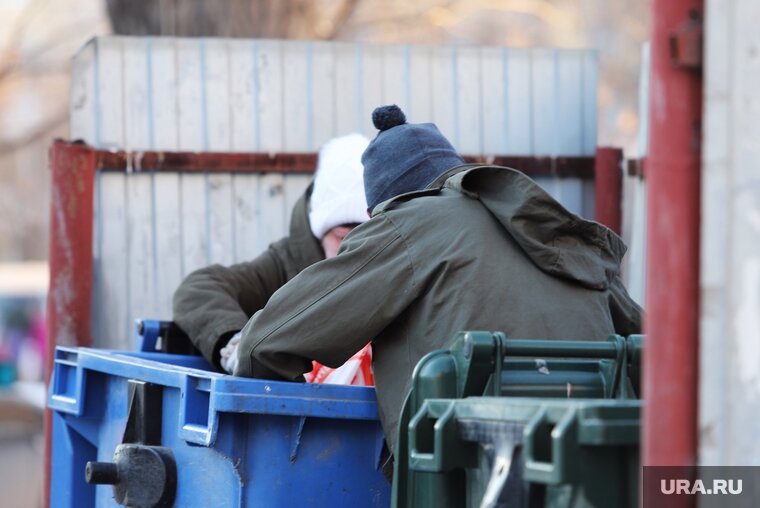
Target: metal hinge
686 42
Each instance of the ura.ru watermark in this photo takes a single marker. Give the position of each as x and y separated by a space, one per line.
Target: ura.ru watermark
702 486
693 487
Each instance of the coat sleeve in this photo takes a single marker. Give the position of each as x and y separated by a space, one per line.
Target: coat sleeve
333 308
215 302
626 313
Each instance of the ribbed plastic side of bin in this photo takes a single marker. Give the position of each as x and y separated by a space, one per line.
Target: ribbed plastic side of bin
543 422
161 425
513 451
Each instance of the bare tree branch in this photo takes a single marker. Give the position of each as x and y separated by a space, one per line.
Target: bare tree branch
53 42
17 33
541 9
21 24
43 129
345 11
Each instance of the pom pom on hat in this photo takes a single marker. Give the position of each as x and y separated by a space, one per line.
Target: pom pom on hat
338 196
387 117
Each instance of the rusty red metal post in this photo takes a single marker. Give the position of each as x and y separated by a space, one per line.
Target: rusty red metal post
673 186
70 259
70 256
608 187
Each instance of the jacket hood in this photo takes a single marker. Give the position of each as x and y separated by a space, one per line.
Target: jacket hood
557 241
304 248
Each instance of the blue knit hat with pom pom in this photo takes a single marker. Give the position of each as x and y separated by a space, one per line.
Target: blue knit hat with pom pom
403 157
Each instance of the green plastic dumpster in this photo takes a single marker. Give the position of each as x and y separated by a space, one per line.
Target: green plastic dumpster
498 422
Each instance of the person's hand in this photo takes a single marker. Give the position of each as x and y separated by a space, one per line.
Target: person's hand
229 354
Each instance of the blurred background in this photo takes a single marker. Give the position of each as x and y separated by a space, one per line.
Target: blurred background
39 37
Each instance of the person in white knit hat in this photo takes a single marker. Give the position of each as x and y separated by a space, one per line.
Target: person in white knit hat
338 202
214 303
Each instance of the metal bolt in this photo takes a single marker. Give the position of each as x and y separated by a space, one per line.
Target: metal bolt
101 473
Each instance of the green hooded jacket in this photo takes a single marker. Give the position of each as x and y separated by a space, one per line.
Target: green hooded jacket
215 302
482 248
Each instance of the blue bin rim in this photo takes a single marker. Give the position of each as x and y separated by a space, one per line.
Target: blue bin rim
222 393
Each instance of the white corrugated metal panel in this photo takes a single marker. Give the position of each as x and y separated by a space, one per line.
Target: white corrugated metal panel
233 95
729 404
269 95
153 229
634 227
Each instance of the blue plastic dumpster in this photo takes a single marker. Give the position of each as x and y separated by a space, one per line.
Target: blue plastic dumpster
158 429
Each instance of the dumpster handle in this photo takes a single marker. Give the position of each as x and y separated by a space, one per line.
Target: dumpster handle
555 471
615 347
148 333
444 435
559 349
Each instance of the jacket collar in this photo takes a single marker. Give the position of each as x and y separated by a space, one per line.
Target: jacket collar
556 240
433 187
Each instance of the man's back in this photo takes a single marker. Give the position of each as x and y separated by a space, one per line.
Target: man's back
487 250
474 275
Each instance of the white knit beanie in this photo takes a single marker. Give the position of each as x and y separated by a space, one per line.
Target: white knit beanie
338 196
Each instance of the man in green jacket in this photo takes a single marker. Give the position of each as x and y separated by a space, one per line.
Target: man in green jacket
449 247
214 303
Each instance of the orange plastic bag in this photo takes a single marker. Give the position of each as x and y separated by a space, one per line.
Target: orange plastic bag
356 371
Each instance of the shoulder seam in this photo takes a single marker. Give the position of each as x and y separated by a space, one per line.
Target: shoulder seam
406 246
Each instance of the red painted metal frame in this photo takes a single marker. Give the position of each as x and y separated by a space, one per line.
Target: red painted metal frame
608 187
74 166
673 186
191 162
201 162
70 258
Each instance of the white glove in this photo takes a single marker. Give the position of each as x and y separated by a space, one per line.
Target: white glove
229 354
